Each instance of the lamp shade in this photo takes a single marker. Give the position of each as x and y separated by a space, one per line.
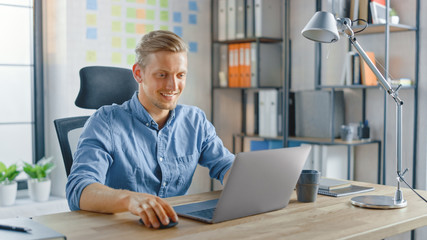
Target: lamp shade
322 27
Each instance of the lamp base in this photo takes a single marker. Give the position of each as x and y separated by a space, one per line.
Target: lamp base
378 202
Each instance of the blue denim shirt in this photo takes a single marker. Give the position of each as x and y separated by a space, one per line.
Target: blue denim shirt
122 147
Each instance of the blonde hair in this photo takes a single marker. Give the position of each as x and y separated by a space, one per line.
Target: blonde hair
157 41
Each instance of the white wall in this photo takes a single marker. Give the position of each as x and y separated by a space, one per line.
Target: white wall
64 48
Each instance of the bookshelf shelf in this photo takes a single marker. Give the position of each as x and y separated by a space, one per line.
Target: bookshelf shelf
381 28
246 40
328 141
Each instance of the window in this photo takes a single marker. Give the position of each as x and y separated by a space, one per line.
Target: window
18 84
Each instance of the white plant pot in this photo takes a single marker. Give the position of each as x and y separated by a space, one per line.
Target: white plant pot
8 193
39 191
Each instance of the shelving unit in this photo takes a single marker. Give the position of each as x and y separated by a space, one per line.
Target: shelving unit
240 132
384 29
380 29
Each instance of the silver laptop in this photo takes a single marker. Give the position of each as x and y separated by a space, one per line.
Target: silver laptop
259 181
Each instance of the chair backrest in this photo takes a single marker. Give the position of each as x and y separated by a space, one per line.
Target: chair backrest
63 127
99 86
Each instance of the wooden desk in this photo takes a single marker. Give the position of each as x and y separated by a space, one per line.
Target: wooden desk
327 218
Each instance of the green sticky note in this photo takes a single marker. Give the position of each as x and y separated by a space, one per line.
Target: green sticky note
131 12
150 14
116 58
132 1
131 59
164 16
130 43
164 3
116 11
116 42
130 27
151 2
149 28
90 56
164 27
116 26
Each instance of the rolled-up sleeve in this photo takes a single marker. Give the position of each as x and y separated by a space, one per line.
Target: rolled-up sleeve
91 159
215 155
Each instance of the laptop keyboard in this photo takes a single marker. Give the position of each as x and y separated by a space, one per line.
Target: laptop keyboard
205 213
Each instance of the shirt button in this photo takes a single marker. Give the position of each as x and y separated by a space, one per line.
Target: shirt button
161 159
164 184
147 124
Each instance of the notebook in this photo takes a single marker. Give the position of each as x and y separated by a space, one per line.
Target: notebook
259 181
331 184
38 230
339 192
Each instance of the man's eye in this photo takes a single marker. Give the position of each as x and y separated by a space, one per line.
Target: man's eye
161 75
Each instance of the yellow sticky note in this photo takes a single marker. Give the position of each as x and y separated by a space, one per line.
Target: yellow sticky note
116 42
116 26
150 14
164 27
140 13
152 2
131 59
116 11
164 16
130 27
140 28
131 43
131 13
90 56
164 3
116 58
91 19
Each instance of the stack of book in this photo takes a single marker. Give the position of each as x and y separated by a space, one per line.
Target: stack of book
338 188
356 71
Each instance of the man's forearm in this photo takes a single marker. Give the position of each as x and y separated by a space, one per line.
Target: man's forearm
100 198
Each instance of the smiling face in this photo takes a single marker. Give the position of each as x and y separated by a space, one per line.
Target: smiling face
161 82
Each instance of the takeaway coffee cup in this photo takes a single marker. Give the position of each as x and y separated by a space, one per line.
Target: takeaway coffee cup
308 185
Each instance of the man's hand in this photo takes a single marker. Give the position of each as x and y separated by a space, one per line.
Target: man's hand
149 207
100 198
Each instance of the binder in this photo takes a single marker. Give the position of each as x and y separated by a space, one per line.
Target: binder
231 19
250 113
233 64
250 29
240 19
254 70
241 67
223 65
222 20
268 18
268 113
246 81
354 9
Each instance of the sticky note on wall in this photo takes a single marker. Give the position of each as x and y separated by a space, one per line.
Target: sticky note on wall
90 56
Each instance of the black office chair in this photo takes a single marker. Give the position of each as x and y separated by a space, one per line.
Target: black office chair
99 86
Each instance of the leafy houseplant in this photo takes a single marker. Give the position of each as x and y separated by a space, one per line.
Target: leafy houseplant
8 185
39 183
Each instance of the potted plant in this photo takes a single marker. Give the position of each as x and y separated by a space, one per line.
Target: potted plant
39 182
8 185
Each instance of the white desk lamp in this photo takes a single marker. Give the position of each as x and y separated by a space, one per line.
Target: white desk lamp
324 27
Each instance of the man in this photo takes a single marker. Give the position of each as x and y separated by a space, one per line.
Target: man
130 156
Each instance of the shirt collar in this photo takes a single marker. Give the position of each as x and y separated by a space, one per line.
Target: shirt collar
141 113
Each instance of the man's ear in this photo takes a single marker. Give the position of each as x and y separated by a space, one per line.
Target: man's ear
137 72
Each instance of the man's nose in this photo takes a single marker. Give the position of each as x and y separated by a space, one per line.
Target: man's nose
172 83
